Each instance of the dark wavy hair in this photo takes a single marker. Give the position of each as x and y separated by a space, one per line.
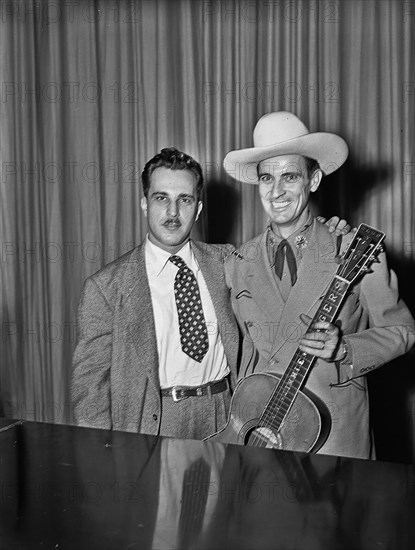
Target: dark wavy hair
173 159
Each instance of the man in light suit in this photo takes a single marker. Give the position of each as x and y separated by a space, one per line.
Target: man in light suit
132 368
286 271
129 370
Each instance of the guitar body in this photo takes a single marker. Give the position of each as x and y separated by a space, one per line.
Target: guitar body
305 428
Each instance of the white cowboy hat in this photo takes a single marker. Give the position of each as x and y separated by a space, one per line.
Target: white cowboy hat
283 133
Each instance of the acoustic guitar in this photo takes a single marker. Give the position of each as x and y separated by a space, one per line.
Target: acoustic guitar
268 410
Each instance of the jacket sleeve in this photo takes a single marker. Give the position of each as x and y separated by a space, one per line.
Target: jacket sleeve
391 331
90 385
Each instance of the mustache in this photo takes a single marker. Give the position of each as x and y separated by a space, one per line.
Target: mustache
172 222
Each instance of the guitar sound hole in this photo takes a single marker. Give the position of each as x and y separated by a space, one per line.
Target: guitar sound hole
264 437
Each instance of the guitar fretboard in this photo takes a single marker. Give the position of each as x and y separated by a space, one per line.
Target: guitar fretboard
286 391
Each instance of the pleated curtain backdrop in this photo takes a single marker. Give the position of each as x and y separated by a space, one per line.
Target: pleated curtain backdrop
90 90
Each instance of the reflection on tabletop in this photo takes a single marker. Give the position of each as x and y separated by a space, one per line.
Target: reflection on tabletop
66 487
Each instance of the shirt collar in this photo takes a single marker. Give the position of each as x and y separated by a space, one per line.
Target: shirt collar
273 238
158 258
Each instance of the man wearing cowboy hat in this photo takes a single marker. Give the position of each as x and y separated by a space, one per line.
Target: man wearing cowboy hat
285 271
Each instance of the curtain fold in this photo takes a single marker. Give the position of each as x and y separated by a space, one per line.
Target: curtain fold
92 90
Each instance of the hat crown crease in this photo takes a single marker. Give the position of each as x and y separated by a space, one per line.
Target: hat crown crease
277 128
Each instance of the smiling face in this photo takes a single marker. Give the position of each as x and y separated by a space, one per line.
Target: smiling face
285 187
171 207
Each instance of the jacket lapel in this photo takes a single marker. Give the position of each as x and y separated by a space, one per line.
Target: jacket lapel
137 312
316 271
260 279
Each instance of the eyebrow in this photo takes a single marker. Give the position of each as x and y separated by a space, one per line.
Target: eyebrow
260 173
180 196
293 171
186 195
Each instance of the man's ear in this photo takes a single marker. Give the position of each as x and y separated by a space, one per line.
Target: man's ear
143 205
316 180
199 209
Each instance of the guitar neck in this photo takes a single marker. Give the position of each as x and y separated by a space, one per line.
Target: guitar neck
286 391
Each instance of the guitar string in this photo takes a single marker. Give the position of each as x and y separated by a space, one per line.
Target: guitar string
283 391
273 417
256 437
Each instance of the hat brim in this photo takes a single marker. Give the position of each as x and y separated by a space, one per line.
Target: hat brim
329 150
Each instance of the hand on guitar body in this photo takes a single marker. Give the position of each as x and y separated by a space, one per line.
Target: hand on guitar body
322 340
260 422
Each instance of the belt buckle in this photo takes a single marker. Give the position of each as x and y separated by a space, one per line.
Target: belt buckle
175 393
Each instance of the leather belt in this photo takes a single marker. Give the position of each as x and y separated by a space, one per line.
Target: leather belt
183 392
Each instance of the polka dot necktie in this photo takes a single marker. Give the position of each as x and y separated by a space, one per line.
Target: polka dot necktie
192 325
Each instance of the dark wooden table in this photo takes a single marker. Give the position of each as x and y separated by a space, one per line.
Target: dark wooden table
64 487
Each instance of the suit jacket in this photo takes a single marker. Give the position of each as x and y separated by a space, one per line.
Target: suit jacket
377 326
115 382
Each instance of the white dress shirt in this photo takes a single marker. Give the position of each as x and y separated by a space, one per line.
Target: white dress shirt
175 367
